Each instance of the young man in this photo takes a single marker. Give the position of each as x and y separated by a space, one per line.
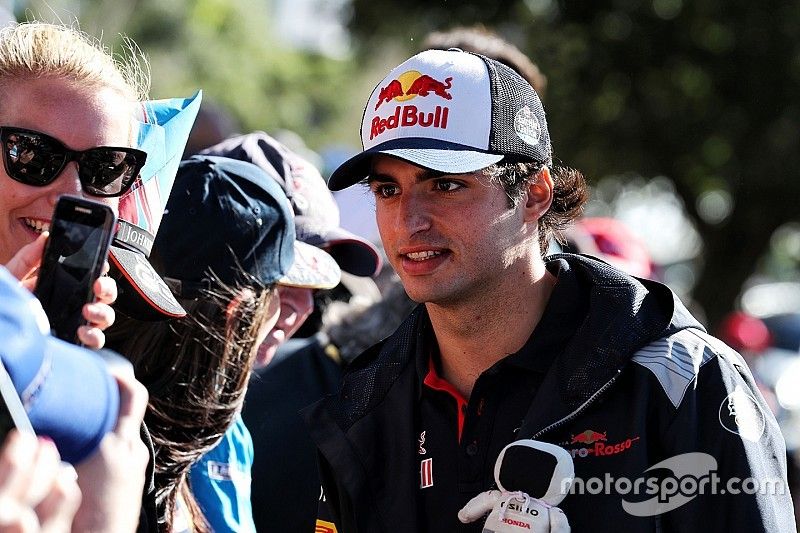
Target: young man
509 346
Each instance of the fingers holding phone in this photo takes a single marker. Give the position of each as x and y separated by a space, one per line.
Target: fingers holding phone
25 263
73 260
99 315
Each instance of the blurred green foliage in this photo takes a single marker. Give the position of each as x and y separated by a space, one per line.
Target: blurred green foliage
228 49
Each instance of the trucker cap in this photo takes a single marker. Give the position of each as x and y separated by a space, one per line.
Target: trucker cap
450 111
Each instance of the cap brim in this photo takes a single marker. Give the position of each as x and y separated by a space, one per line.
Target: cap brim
354 254
76 402
313 268
434 154
142 293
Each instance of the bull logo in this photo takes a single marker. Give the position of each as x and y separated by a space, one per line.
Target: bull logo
425 85
412 83
588 437
389 93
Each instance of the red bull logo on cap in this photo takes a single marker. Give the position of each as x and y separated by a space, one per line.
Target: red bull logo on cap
408 85
413 83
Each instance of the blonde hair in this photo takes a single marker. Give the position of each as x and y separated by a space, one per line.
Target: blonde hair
31 50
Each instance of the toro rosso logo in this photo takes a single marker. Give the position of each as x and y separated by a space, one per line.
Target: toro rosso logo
596 444
408 85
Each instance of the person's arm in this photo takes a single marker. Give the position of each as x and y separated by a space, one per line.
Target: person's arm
723 415
37 492
99 314
112 479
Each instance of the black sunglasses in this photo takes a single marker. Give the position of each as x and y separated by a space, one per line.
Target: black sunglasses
35 158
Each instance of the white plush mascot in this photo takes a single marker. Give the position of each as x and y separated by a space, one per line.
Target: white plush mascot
533 478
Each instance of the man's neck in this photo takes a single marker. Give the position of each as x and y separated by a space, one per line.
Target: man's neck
473 335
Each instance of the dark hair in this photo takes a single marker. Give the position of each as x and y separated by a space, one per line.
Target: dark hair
570 193
196 371
480 40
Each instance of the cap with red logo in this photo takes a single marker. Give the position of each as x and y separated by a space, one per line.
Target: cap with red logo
164 127
451 111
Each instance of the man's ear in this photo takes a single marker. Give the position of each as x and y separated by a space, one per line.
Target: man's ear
538 196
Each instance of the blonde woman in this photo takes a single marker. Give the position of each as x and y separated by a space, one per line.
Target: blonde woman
67 104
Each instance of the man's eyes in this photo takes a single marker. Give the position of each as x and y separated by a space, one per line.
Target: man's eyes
447 185
387 190
384 190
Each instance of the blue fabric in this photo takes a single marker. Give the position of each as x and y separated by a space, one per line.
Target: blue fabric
163 133
66 390
220 481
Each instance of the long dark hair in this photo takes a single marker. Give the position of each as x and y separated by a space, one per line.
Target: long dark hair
196 371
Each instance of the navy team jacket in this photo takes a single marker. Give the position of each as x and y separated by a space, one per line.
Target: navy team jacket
640 385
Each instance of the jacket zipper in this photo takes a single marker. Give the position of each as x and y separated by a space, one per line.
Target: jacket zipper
581 408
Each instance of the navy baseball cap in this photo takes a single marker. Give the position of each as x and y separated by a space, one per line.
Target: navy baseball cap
451 111
65 390
316 212
227 220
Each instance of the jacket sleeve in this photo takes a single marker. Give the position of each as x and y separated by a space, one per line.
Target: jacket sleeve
734 470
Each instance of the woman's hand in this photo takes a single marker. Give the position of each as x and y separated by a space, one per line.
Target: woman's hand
37 492
25 263
112 479
99 314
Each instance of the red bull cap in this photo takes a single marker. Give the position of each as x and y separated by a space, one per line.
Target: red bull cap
450 111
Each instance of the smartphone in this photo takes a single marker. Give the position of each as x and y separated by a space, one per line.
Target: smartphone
12 413
80 234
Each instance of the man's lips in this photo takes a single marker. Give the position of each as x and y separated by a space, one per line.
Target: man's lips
421 253
422 256
421 260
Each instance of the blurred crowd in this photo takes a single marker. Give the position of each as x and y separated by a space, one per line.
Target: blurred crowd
247 304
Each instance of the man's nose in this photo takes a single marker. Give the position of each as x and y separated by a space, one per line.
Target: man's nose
414 213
